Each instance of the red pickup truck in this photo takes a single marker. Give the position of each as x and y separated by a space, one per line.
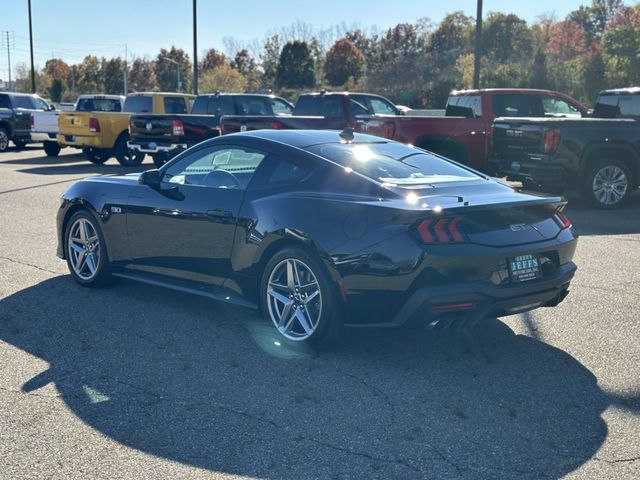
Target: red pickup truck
463 134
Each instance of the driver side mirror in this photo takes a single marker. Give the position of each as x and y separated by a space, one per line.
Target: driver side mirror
150 177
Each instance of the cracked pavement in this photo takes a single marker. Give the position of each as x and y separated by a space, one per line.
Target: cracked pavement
134 381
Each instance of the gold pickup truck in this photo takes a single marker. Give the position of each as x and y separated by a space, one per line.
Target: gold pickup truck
103 134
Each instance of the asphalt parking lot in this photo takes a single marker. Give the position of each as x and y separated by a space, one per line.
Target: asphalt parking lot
134 381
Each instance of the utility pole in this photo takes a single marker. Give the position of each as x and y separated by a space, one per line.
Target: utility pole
33 70
126 82
9 56
478 49
195 48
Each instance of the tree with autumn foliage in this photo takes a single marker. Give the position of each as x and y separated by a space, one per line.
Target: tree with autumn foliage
343 61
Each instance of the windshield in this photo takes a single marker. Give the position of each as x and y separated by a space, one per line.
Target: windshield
393 163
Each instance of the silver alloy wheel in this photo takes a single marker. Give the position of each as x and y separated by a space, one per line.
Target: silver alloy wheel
84 248
610 185
294 298
4 141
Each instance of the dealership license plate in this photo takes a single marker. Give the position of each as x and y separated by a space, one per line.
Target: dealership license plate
524 268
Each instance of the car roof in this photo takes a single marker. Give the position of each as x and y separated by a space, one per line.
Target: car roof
621 91
306 138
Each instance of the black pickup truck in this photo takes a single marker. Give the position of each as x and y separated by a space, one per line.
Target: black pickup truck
15 117
316 111
164 136
598 156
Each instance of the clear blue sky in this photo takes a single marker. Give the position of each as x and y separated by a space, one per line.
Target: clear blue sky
71 29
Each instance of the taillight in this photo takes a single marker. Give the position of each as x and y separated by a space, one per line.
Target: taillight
276 126
177 128
551 140
388 130
94 125
561 219
443 230
31 118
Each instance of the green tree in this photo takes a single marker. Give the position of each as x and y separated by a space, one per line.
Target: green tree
212 59
295 68
270 58
343 61
91 78
246 65
167 71
142 76
223 78
113 75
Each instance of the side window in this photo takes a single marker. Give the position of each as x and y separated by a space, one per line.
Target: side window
251 106
517 105
23 101
40 103
4 101
332 108
358 108
217 167
556 107
380 107
279 107
174 105
629 105
276 172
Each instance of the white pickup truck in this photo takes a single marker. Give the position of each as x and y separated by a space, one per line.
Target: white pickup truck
44 124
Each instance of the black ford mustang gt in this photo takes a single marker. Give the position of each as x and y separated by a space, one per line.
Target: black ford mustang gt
320 229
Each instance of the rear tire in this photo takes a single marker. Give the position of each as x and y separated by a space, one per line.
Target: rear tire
4 140
86 250
607 184
52 149
96 155
298 296
126 156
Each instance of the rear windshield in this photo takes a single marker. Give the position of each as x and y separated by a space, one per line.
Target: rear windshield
175 105
617 106
138 104
464 106
98 105
320 106
393 163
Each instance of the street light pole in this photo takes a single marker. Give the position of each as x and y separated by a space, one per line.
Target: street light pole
33 71
195 48
177 64
478 49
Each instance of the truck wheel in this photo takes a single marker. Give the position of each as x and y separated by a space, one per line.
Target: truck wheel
96 155
159 159
4 140
607 184
125 156
52 149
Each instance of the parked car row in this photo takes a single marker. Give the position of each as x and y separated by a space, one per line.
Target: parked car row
543 138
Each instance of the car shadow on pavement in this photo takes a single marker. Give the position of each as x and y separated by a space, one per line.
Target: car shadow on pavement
591 221
74 164
212 386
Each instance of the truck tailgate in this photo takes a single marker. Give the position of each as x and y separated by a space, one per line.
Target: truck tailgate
75 124
518 138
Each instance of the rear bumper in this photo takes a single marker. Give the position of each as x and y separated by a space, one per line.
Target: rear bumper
80 141
468 303
155 147
532 171
43 137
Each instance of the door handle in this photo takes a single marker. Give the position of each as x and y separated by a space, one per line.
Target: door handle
219 213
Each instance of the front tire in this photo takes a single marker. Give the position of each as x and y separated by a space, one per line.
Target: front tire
126 156
52 149
298 296
86 251
607 184
4 140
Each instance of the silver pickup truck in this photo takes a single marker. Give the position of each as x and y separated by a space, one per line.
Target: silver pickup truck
44 124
